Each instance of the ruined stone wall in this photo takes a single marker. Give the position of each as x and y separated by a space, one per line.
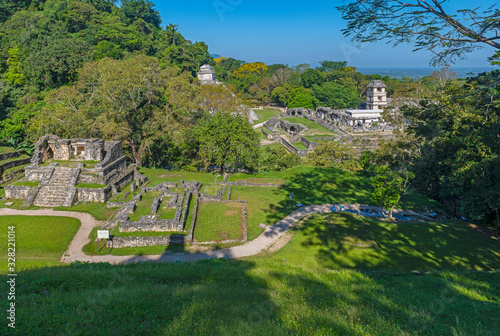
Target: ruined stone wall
118 165
12 175
94 151
113 152
37 173
291 148
307 143
146 224
61 149
88 177
297 112
101 195
12 164
6 156
120 242
16 192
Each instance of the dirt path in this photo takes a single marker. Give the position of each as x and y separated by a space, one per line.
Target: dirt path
268 238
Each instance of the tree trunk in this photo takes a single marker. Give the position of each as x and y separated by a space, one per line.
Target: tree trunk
222 169
390 212
138 159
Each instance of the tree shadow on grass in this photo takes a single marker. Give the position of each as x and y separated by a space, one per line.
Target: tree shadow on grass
356 303
322 186
212 297
348 241
237 297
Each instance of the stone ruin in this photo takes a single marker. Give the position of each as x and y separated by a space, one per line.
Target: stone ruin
59 165
341 121
206 75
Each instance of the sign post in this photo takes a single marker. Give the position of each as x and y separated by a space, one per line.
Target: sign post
102 234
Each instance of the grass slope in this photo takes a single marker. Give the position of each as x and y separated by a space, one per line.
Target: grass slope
342 240
349 279
266 113
253 297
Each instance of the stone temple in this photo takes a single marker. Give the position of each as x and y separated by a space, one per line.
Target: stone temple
206 75
60 165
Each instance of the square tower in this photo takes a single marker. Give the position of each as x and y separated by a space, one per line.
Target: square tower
376 95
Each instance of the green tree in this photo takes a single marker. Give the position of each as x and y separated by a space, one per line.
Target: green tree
14 73
277 158
336 155
331 66
312 77
389 186
226 138
132 100
336 96
108 49
301 98
57 61
140 9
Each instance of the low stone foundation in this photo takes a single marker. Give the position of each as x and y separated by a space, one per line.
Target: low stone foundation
121 242
154 225
101 195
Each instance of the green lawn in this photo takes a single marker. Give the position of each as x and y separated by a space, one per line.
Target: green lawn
256 296
344 276
262 207
346 241
157 176
98 210
26 183
39 241
166 212
218 222
272 145
299 145
313 128
211 189
71 164
253 179
266 114
144 205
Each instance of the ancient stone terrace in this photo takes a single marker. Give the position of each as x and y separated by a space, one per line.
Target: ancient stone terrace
61 164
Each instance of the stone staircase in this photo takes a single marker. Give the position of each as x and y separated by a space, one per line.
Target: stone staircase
60 189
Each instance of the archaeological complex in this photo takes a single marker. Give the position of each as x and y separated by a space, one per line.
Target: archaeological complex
344 122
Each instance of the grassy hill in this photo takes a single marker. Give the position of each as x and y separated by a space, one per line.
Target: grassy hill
338 275
278 294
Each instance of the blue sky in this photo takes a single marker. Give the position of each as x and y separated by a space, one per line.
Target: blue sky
290 32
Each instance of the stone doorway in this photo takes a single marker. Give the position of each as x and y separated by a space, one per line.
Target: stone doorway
48 154
79 151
